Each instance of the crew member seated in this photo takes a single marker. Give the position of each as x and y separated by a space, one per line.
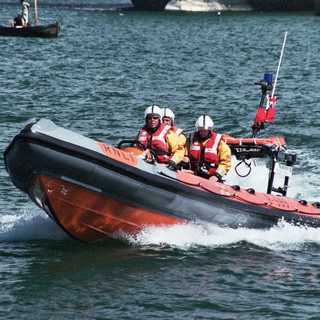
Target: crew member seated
160 138
17 21
209 156
168 118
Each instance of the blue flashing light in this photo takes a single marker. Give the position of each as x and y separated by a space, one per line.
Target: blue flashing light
268 77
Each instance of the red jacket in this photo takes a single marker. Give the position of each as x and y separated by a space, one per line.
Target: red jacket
156 141
204 155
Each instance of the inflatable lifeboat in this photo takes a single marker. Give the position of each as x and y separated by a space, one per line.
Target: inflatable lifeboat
96 191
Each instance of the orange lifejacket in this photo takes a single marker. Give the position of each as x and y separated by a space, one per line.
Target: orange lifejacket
156 141
204 156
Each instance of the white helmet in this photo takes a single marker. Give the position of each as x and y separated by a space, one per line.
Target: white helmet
166 112
153 110
204 122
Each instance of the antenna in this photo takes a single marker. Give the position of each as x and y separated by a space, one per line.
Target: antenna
275 81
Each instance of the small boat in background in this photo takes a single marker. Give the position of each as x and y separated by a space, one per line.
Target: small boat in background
44 31
41 31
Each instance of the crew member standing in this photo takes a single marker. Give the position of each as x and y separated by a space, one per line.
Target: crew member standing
25 13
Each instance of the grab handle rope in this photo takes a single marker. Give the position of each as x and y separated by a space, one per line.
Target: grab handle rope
248 165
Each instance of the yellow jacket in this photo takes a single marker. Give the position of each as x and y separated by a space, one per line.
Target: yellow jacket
182 139
181 136
175 146
224 156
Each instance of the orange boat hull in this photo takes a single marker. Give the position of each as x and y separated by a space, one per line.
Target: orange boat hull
89 216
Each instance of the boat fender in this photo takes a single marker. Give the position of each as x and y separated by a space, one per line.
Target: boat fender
251 191
316 204
303 202
236 188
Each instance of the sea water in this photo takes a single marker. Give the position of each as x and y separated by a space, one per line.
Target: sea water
96 78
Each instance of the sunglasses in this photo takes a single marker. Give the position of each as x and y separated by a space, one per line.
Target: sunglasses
152 118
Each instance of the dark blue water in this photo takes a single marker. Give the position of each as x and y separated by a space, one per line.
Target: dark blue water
97 78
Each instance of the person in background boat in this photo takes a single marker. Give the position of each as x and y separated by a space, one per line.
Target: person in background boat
23 18
160 138
168 119
25 13
209 156
17 21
